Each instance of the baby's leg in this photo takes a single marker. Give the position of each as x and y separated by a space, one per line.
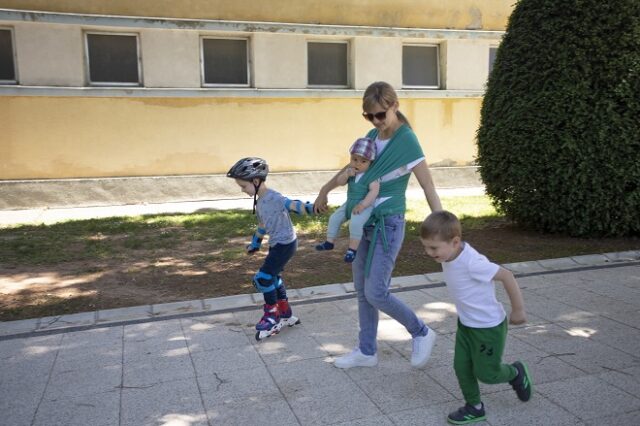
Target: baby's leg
356 227
335 221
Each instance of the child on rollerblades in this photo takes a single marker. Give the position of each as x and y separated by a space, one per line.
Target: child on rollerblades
272 210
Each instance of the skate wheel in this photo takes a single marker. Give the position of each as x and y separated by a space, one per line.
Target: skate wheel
258 336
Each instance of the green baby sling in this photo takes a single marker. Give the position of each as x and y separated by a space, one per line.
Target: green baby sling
402 149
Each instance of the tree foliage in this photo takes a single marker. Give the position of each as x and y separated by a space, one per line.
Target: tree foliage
559 138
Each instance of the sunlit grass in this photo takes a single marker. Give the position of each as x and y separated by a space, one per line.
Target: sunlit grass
96 239
463 207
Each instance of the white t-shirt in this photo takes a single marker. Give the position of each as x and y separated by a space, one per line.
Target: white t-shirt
469 280
382 144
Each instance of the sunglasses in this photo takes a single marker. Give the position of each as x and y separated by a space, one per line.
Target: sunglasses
380 116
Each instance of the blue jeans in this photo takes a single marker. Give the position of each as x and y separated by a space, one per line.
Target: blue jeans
277 258
373 291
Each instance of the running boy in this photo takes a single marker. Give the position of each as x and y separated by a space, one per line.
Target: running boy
482 324
360 199
272 210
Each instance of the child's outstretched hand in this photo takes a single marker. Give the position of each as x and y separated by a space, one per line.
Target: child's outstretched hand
517 317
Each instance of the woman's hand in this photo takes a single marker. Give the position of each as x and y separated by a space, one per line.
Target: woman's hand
320 204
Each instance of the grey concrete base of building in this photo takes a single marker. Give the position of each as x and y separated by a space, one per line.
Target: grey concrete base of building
63 193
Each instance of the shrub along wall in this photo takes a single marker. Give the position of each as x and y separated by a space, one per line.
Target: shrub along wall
559 138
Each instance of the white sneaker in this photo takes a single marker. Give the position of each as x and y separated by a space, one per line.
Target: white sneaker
356 359
422 346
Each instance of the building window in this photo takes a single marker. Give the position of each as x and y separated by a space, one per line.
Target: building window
7 57
113 59
420 66
492 57
327 64
225 62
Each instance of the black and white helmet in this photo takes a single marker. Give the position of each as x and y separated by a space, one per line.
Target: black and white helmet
249 168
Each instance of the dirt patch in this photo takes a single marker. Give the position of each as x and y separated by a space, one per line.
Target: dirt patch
190 270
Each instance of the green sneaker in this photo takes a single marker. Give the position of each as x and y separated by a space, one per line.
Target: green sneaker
522 383
467 414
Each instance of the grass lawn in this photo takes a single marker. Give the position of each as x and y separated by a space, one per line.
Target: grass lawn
85 265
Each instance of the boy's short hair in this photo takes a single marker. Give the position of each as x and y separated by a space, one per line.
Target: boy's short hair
442 224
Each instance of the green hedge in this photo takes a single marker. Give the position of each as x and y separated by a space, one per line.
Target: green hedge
559 137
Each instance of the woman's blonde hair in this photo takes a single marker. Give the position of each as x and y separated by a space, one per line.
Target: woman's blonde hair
442 225
383 94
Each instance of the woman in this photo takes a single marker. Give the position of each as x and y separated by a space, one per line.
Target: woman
399 154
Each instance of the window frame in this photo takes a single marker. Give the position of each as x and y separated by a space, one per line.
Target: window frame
139 83
248 55
438 85
15 58
347 62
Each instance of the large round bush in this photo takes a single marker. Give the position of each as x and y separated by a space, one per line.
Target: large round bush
559 138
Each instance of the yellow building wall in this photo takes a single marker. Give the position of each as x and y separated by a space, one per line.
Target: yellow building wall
164 136
458 14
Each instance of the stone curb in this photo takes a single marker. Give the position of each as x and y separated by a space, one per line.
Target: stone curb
107 317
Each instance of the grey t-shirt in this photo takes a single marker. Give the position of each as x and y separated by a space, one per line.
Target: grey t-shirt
272 213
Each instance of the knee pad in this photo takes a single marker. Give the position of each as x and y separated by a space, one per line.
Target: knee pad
264 282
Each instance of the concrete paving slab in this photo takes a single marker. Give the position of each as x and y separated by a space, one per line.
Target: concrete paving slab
558 264
504 409
70 357
251 413
409 390
73 383
177 308
374 420
319 404
9 328
65 321
571 395
97 337
591 259
627 380
20 409
322 291
228 302
409 281
226 359
176 402
167 369
529 267
624 256
209 369
435 277
206 336
435 415
124 314
99 410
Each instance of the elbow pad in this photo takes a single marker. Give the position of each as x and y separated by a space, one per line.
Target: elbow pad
299 207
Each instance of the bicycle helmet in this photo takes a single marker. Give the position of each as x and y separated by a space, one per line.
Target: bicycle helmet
249 168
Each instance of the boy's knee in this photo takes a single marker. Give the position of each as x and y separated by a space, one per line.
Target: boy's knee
264 282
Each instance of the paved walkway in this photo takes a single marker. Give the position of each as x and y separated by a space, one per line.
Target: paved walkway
198 363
